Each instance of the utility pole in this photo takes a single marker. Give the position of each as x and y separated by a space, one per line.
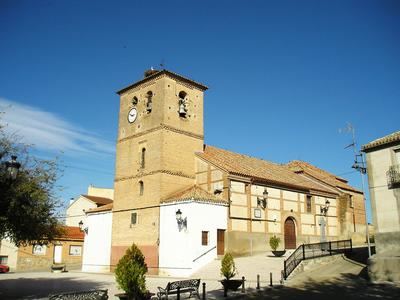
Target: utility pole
359 165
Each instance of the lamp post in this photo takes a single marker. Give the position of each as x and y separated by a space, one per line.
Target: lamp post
12 167
322 223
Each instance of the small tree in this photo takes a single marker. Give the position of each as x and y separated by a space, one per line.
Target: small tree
228 269
130 273
274 242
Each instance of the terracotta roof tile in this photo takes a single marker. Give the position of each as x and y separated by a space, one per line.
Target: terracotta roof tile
321 175
257 169
391 138
193 193
101 208
73 233
99 200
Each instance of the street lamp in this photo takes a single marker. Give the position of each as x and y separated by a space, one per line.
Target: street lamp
12 167
181 222
83 229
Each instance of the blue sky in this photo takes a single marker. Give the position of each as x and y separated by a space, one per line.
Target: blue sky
284 76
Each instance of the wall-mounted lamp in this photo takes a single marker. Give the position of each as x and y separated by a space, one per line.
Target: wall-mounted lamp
81 228
324 209
262 202
182 223
274 218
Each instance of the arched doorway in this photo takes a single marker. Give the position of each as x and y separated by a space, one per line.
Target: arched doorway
290 234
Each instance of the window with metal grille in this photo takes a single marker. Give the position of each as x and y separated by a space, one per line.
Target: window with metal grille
204 238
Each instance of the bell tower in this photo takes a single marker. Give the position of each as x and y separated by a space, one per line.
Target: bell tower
160 130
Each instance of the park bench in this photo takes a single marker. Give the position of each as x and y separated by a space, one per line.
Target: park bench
190 285
85 295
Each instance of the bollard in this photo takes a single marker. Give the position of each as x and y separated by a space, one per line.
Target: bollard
243 289
178 293
282 277
270 279
225 290
204 291
258 281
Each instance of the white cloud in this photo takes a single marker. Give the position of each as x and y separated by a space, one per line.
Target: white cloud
47 131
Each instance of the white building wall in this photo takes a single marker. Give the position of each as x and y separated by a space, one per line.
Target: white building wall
9 250
76 211
97 245
181 251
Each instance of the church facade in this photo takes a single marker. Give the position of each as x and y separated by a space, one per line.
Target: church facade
184 203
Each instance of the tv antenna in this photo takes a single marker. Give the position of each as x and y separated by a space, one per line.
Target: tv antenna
358 165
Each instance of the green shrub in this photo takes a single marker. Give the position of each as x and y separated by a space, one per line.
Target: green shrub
130 273
274 242
228 269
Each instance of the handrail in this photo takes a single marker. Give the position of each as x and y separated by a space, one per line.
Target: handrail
309 251
204 253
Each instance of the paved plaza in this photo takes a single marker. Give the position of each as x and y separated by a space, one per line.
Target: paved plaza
341 279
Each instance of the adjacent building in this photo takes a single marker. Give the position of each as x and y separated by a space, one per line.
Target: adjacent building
383 166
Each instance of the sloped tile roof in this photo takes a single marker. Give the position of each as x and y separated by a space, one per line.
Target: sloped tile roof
101 208
169 73
98 200
321 175
391 138
72 233
257 169
193 193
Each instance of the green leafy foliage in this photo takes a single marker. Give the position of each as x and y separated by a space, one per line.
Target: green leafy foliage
28 204
130 273
228 268
274 242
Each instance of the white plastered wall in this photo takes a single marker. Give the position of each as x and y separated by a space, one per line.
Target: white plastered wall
181 252
97 245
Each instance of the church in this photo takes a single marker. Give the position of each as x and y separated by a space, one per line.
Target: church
185 203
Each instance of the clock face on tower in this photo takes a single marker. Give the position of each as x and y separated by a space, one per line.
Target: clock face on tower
132 115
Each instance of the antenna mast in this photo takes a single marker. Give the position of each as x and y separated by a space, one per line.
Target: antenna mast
359 165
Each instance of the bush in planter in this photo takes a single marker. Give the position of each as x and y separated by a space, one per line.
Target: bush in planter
228 269
274 242
130 273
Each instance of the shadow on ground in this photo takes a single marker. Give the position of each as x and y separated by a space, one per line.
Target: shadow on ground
36 288
347 286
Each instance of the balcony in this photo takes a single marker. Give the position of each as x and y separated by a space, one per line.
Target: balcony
393 177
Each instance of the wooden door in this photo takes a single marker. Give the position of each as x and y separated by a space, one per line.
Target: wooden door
290 234
220 241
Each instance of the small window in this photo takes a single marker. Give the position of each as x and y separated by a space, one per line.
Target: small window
351 201
39 250
308 203
75 250
204 238
135 101
133 218
141 188
3 260
149 101
143 158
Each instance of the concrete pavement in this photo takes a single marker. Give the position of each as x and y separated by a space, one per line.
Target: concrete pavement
341 278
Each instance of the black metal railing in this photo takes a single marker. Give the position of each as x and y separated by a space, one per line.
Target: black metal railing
393 177
201 255
310 251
